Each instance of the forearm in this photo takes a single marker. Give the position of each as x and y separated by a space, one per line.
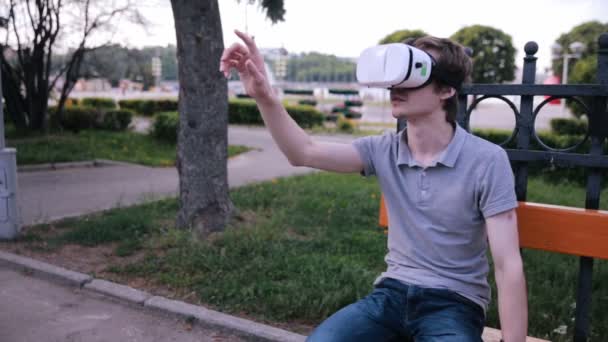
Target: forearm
512 301
291 139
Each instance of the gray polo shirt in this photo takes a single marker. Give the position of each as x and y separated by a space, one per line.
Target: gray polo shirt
437 236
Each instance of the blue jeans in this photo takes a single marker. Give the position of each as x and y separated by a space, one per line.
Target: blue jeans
398 312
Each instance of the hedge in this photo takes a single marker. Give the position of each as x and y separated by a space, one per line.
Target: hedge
344 91
569 126
77 118
240 112
246 112
149 107
97 102
116 120
165 126
307 102
298 91
553 173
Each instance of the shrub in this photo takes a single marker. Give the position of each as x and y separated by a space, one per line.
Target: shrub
345 125
69 102
307 102
353 103
77 118
130 104
298 91
98 102
166 125
305 116
246 112
552 173
117 120
344 91
563 126
166 105
149 107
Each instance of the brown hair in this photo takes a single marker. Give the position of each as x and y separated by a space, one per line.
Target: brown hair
453 62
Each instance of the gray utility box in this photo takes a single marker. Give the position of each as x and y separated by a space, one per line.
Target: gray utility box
10 223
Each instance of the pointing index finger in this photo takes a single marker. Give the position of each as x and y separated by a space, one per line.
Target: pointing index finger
248 41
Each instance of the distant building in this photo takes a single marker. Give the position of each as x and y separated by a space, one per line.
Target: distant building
278 58
92 84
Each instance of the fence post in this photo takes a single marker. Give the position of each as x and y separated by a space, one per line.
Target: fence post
598 127
525 121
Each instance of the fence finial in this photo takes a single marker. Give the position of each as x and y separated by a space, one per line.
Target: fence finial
531 48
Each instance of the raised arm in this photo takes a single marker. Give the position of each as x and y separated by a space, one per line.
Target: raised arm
293 141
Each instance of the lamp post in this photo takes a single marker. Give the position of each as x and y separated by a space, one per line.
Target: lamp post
10 222
576 50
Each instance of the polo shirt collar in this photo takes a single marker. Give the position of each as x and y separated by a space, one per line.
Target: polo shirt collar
447 157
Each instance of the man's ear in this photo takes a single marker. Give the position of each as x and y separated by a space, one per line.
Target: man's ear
447 92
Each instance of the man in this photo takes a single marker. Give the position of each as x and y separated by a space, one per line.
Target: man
448 194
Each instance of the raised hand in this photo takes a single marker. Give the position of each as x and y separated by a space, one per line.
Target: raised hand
249 63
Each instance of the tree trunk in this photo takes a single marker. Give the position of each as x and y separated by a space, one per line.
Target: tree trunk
202 150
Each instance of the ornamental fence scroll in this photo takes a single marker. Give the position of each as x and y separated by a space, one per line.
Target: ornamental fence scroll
594 160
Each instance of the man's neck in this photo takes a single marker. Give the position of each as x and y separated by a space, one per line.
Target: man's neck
427 137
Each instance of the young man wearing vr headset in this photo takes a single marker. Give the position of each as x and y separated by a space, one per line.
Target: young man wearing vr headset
448 194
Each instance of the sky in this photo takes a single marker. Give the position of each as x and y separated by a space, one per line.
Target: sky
345 27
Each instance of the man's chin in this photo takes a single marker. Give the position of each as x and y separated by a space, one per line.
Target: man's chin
398 113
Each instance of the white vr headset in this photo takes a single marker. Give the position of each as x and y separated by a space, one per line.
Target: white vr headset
398 65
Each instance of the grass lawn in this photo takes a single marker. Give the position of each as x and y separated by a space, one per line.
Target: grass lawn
358 132
95 144
301 248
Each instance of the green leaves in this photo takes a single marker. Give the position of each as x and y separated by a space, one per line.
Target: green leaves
493 53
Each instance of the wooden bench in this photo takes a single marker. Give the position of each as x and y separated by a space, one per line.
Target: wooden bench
559 229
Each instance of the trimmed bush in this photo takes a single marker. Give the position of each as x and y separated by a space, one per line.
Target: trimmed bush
246 112
130 104
166 125
307 102
344 91
70 101
77 118
564 126
552 173
305 116
117 120
149 107
344 125
353 103
98 102
298 92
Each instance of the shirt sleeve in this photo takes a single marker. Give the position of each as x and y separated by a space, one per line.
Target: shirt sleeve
497 187
366 147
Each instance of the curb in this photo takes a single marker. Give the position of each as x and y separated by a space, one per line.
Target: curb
43 270
72 165
250 330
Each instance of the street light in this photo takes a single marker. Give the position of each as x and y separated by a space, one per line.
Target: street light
576 50
10 222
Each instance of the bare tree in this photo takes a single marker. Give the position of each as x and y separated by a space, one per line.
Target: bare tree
205 205
35 29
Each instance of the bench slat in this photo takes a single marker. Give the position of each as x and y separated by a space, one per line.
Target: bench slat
554 228
566 230
494 335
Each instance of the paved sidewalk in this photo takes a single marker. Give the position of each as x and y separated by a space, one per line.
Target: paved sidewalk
50 195
38 310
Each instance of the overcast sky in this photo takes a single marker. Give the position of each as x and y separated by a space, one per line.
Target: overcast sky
345 27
